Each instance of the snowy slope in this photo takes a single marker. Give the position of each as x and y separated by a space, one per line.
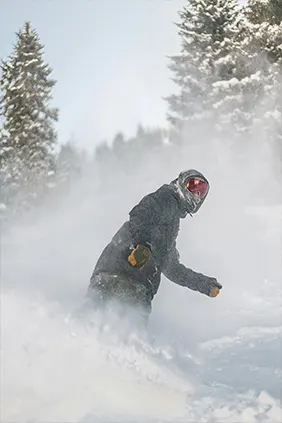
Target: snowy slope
224 365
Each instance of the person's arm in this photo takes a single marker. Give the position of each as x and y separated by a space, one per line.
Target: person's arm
181 275
143 218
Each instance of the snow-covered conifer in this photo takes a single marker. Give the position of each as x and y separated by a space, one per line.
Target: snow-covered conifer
28 135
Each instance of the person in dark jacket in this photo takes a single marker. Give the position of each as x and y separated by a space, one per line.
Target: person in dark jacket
130 267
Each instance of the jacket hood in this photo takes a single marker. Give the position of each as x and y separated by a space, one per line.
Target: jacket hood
187 201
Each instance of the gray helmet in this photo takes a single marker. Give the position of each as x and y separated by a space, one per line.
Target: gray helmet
190 203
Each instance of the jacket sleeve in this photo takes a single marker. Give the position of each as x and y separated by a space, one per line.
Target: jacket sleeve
142 218
181 275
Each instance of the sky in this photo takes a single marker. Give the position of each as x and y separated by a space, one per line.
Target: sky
109 59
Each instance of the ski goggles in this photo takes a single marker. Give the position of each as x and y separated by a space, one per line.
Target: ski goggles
198 187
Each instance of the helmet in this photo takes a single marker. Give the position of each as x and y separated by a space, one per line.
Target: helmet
192 188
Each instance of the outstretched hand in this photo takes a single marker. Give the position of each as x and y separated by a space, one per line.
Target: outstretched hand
209 286
214 287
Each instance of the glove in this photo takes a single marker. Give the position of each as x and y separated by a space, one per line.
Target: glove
209 286
139 256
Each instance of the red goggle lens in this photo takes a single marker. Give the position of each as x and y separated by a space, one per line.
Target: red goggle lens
198 187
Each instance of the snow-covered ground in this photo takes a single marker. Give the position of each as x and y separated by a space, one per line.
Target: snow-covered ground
201 360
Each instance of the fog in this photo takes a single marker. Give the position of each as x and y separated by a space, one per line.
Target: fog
201 359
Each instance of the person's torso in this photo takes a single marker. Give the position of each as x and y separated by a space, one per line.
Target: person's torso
162 237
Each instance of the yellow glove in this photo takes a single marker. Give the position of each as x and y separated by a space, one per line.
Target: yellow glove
214 291
209 286
139 256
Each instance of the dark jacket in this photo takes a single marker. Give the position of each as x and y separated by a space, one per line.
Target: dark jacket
154 222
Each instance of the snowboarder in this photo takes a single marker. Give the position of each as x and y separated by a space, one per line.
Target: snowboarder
130 267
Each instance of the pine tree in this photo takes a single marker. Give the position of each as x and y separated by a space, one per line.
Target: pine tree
103 160
118 145
264 40
260 11
68 163
263 44
28 136
207 29
265 18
